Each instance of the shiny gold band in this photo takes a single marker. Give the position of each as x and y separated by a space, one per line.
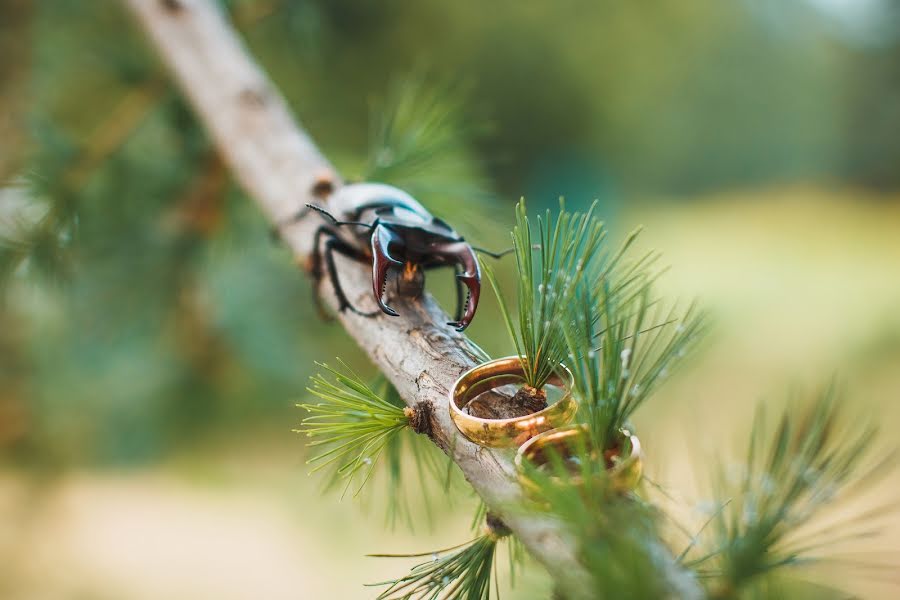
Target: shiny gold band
625 473
507 433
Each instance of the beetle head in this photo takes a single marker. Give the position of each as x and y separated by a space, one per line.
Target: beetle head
410 280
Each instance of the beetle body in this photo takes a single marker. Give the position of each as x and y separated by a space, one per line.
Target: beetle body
390 229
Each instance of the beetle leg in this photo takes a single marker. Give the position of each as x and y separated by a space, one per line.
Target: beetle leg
500 254
381 262
314 268
334 244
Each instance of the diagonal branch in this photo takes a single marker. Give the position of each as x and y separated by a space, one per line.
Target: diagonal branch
278 165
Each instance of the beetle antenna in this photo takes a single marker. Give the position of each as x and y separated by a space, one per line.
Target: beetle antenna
493 254
337 223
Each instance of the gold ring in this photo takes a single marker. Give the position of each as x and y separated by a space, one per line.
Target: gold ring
507 433
624 471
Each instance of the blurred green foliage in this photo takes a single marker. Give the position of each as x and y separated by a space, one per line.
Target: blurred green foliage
589 98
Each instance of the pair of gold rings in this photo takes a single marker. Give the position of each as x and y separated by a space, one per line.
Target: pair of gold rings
534 434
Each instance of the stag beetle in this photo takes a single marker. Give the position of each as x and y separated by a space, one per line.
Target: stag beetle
387 227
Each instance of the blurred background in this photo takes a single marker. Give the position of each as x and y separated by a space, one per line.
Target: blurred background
154 340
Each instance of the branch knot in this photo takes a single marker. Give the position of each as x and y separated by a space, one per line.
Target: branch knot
495 527
420 417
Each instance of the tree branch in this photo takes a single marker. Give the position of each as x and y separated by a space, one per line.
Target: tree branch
278 164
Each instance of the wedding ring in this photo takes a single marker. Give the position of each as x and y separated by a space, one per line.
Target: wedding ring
513 432
625 471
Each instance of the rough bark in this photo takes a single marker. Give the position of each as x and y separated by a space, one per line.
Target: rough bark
278 165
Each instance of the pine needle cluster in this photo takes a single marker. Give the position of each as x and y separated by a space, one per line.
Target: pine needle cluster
552 263
814 457
620 352
352 423
359 428
463 572
420 139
